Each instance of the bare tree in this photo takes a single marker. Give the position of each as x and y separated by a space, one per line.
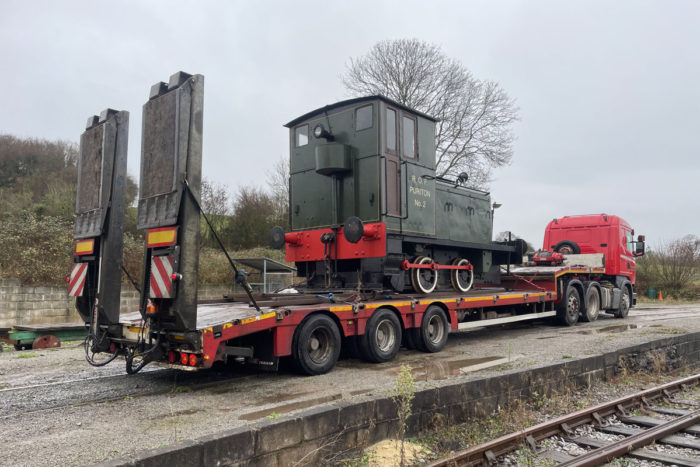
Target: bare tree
215 201
672 265
278 185
474 133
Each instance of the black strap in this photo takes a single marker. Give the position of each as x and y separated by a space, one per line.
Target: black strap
241 277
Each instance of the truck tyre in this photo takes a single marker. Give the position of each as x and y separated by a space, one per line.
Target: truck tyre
569 307
316 345
433 330
592 305
382 338
625 301
567 247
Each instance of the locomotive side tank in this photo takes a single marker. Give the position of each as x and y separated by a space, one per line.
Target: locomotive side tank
368 212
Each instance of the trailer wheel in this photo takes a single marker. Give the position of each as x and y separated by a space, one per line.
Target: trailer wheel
567 247
424 280
592 305
569 308
316 345
625 302
433 330
382 338
462 279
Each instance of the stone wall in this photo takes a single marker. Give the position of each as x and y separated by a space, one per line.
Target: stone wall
21 304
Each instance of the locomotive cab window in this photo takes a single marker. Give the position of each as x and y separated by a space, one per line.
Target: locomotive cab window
363 118
301 136
391 131
408 132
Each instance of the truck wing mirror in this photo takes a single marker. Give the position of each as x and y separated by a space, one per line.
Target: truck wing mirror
639 249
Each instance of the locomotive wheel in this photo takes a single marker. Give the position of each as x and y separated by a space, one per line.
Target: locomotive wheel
49 341
316 345
382 338
462 279
432 334
569 308
592 305
424 280
625 302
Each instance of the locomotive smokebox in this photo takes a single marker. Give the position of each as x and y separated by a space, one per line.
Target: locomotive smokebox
333 159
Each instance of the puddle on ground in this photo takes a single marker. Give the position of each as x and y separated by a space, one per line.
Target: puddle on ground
608 329
441 369
178 413
280 398
280 409
434 369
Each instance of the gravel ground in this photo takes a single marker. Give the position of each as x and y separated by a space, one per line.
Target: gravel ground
58 410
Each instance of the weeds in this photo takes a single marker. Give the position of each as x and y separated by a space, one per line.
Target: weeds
402 396
27 355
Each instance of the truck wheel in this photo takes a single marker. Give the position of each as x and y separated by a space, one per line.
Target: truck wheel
424 280
433 330
567 247
625 302
462 279
382 338
569 307
316 345
592 305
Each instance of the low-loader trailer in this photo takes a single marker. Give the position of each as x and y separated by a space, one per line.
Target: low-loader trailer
172 328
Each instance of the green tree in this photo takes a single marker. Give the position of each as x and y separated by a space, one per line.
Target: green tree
253 218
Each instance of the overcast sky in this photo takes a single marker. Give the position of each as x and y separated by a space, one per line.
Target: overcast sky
609 92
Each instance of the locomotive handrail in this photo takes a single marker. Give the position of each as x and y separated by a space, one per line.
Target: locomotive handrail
404 187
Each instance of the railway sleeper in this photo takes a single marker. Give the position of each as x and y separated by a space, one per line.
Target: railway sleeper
673 440
642 453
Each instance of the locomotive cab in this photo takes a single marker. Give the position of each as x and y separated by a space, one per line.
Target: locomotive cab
367 210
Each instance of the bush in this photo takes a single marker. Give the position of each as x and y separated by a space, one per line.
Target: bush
35 250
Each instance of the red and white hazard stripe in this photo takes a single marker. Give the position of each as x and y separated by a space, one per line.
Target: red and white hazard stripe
76 284
161 277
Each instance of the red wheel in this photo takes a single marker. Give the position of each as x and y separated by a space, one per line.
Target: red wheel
48 341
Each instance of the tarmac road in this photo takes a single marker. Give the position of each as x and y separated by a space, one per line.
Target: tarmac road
58 410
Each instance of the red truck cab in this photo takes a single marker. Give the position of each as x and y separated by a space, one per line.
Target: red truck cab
597 233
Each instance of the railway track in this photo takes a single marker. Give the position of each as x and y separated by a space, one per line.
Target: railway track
623 427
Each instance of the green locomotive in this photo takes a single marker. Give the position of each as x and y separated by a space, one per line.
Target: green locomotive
367 211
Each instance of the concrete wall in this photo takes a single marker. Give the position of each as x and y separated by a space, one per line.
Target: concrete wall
316 434
37 305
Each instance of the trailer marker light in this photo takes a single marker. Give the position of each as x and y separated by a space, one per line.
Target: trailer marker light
184 359
193 360
67 278
177 276
85 247
112 347
151 308
164 236
172 356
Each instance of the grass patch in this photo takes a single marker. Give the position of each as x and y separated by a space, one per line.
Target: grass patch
27 355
